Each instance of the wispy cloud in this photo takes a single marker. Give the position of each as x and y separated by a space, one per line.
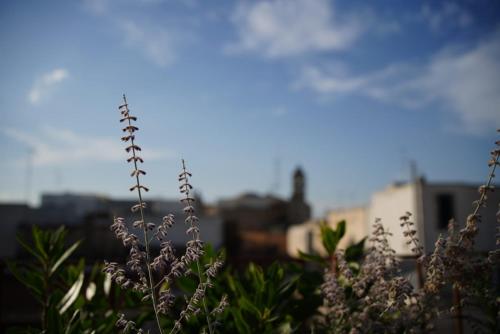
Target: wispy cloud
102 7
51 146
445 14
279 112
45 85
97 7
464 82
281 28
158 44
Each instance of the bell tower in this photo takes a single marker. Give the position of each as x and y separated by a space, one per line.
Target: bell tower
298 185
298 210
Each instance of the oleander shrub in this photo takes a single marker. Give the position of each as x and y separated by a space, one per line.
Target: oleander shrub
71 299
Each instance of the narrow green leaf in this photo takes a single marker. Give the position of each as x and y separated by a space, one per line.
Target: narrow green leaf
106 285
29 281
69 326
240 323
29 249
63 257
39 237
71 295
247 305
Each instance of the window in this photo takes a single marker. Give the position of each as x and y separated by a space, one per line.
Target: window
310 241
445 210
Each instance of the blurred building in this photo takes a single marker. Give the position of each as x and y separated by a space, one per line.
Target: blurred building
11 216
307 238
89 216
255 226
432 206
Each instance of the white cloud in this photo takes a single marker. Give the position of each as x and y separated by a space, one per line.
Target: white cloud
45 85
156 43
280 28
159 43
51 146
447 15
466 83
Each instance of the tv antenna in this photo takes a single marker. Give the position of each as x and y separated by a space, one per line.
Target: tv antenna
29 175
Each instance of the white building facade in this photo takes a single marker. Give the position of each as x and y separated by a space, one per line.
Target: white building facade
432 205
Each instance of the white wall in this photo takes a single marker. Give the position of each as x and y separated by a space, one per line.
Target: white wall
307 237
297 237
389 205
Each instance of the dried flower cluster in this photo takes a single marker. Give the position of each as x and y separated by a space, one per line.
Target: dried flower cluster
155 277
377 298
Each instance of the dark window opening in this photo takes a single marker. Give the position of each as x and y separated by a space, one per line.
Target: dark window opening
445 210
310 242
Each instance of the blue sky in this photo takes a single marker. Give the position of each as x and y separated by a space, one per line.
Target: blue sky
246 91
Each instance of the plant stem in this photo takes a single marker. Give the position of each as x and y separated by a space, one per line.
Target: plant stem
196 236
482 198
144 230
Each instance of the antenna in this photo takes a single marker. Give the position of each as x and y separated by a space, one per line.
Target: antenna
29 175
58 179
276 184
413 170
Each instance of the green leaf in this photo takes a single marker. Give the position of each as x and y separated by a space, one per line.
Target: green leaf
240 323
54 321
69 326
247 305
312 258
285 328
187 284
355 252
39 237
328 238
287 287
63 257
29 249
106 284
71 295
340 230
29 279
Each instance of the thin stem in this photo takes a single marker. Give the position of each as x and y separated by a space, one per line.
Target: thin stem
160 281
488 184
414 240
196 236
144 228
175 329
482 198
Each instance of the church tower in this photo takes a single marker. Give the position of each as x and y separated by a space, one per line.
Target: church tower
298 185
298 210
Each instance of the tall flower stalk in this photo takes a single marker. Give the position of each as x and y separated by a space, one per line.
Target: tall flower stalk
141 205
141 269
195 245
